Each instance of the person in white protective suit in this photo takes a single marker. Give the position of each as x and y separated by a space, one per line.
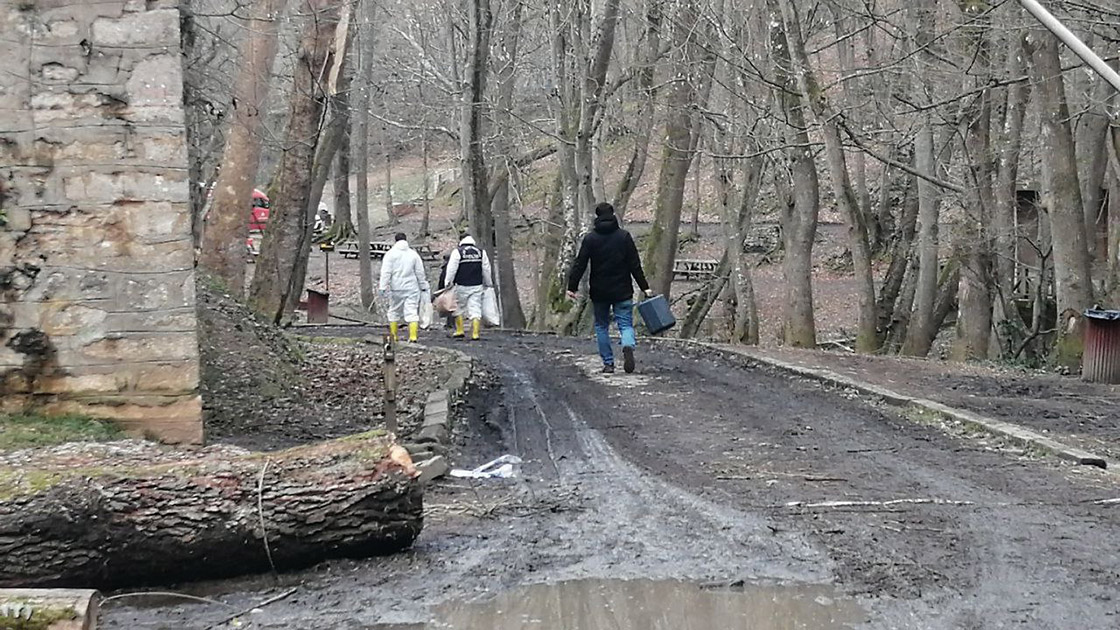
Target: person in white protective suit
469 270
404 281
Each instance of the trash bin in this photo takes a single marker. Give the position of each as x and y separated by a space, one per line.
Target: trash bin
1101 361
317 307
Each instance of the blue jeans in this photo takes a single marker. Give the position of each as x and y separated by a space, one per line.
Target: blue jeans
624 317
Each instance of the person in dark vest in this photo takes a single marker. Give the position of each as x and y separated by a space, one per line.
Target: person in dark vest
469 270
614 261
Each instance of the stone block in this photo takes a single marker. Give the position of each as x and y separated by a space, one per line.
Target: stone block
132 185
171 419
141 29
156 82
138 347
438 433
75 609
436 418
436 408
19 220
433 469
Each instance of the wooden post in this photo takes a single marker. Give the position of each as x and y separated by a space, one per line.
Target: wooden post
389 368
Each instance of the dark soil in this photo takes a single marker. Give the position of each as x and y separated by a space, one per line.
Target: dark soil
262 389
1086 414
712 470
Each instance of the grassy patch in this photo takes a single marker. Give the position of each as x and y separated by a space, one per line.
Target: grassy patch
28 430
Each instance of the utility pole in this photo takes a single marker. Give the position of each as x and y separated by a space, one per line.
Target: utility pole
1087 55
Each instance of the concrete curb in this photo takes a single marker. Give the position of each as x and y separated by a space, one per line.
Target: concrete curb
430 446
49 608
1014 433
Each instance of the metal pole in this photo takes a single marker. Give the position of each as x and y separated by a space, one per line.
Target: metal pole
1071 40
389 367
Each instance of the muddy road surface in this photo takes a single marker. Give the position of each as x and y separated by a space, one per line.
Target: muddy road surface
707 492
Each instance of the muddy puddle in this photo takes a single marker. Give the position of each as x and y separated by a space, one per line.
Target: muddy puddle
651 605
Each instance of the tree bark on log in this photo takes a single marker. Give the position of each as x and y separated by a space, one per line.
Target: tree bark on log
151 516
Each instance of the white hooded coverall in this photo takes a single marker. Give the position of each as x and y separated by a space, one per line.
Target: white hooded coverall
404 278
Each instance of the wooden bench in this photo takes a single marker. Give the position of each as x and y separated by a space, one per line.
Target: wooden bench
378 249
692 269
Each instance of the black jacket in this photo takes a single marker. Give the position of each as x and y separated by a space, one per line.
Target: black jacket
614 260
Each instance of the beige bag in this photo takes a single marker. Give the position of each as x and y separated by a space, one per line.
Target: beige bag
445 302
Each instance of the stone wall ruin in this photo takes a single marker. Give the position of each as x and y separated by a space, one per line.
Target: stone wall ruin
97 306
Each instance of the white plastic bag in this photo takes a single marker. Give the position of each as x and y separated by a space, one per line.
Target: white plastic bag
505 467
426 310
490 312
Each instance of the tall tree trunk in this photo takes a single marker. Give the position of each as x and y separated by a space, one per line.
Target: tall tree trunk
272 278
799 213
223 243
591 105
512 314
475 186
1062 196
662 243
635 168
1092 160
867 335
852 99
343 215
737 224
1008 323
329 145
974 321
901 254
549 292
426 219
388 196
923 326
361 129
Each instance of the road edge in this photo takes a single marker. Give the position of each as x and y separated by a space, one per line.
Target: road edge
1014 433
429 447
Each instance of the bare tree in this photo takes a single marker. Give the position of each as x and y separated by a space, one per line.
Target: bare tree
272 279
475 181
662 243
223 244
800 209
367 48
1061 194
867 336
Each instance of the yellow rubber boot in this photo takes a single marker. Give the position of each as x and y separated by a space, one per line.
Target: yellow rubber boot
476 324
459 326
413 331
393 331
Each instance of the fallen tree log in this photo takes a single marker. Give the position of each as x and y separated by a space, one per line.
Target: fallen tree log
132 513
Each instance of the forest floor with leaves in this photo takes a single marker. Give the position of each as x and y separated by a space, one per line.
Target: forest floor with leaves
264 389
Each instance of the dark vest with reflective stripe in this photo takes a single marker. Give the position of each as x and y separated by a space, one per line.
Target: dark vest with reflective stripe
470 266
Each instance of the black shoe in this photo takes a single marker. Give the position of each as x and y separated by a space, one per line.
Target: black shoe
608 369
628 360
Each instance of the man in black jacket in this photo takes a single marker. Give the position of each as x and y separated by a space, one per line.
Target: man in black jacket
614 261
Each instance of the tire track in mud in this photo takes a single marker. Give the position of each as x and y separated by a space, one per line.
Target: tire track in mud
623 480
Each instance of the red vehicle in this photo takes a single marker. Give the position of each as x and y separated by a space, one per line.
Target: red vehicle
259 215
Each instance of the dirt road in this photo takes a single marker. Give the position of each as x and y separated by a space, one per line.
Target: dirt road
710 471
